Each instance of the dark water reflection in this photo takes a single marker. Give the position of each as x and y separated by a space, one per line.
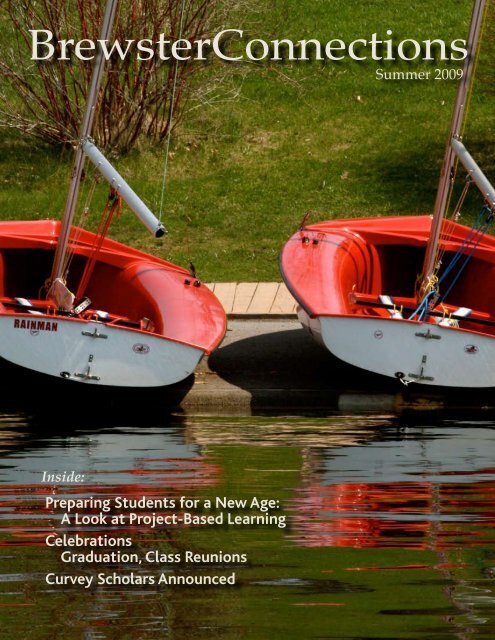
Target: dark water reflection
390 527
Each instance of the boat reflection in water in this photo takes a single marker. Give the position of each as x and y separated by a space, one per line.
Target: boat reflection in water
420 492
384 522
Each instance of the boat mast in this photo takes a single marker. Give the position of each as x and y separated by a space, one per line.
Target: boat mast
85 132
447 172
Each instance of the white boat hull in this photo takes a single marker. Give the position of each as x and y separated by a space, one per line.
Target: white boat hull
420 353
94 353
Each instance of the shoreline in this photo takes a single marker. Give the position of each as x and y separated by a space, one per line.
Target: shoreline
268 364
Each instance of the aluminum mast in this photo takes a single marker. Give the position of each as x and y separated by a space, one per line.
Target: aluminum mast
85 132
446 175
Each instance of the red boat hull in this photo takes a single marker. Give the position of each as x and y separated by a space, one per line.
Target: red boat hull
153 319
339 272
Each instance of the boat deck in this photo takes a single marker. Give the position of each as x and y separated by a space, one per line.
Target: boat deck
255 299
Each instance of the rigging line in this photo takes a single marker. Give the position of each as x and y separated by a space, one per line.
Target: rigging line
460 203
470 239
67 258
449 222
79 228
113 207
444 235
482 233
463 266
171 115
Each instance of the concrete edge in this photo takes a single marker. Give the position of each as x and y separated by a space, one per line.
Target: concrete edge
261 316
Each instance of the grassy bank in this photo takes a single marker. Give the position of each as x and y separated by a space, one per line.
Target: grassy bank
279 140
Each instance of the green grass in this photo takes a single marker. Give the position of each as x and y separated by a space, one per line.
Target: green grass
328 138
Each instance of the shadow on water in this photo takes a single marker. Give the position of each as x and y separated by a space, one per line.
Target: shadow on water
26 432
28 392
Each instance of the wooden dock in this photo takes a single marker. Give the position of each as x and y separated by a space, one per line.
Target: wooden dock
255 299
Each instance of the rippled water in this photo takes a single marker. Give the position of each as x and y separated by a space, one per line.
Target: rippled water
390 528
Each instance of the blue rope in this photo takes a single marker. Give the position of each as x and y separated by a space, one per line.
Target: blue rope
472 240
422 309
481 233
475 233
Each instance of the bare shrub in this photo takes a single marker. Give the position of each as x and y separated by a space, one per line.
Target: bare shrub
46 100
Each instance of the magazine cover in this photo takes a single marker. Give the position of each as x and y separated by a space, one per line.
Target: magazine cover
247 320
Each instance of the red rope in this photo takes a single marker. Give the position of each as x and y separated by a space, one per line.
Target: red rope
112 206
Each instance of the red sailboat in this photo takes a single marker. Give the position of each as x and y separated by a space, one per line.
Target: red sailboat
357 284
133 320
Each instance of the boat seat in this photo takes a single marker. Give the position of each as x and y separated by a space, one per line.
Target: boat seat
27 305
462 312
452 319
393 311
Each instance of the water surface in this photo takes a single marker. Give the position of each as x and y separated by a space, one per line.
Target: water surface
390 528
